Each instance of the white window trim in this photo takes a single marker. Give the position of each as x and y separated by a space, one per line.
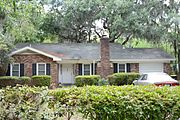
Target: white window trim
83 68
37 71
11 67
124 68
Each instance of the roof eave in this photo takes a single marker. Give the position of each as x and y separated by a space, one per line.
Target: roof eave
144 60
37 51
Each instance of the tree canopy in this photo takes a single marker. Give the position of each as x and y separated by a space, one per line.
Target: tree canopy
77 20
21 19
88 20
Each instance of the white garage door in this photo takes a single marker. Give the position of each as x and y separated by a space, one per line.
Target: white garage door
150 67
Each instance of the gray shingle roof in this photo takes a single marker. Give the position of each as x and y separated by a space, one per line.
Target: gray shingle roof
92 51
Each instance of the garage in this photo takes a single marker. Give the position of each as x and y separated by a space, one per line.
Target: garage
150 67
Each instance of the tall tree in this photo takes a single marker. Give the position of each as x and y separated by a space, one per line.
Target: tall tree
21 19
80 20
6 44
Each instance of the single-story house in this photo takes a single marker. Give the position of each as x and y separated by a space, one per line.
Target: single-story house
65 61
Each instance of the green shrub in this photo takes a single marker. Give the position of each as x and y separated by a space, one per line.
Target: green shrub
122 102
41 80
24 78
26 103
87 80
93 102
122 78
13 81
103 82
9 78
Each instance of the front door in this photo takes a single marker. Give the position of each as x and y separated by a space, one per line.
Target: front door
66 74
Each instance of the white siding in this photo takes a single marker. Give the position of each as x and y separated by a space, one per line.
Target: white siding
150 67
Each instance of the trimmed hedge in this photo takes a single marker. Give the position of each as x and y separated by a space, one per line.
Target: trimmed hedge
87 80
41 80
122 78
121 103
13 80
9 78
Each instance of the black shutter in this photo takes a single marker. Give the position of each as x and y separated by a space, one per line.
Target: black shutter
34 69
92 68
21 69
95 68
48 69
8 70
115 66
128 67
80 69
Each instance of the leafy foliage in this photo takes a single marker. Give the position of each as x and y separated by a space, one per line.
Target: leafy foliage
41 80
87 80
21 19
13 81
103 82
122 78
95 103
15 78
6 44
122 103
77 20
22 103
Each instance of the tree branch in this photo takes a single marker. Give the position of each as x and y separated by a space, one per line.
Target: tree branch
105 24
97 33
112 40
127 39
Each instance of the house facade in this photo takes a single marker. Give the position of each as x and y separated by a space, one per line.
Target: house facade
65 61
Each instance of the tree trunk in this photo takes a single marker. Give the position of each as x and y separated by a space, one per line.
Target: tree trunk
178 73
175 54
3 70
178 46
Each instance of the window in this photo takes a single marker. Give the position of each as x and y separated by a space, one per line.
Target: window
86 69
15 69
122 68
41 69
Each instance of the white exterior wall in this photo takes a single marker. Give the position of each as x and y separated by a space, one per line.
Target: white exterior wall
150 67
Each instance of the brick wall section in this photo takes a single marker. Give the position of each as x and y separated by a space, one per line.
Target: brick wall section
167 68
104 67
54 75
134 67
28 60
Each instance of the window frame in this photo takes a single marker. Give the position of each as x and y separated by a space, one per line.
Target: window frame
89 68
11 69
37 68
125 67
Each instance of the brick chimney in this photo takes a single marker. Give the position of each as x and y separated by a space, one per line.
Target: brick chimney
104 66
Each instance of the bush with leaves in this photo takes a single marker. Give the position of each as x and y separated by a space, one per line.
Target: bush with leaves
26 103
87 80
122 78
122 103
41 80
14 80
